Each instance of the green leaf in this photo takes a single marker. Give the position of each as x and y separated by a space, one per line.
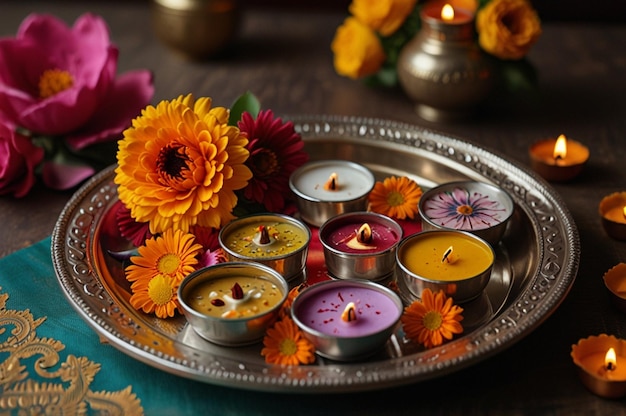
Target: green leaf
245 103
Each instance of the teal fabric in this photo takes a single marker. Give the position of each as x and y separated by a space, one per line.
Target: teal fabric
28 277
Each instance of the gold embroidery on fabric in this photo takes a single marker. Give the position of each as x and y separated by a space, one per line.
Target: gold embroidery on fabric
67 392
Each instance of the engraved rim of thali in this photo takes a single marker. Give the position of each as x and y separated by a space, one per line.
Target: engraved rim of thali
558 246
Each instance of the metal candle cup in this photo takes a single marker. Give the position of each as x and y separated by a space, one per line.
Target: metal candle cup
286 252
477 207
558 169
612 210
375 261
425 261
317 311
615 282
590 355
245 327
317 204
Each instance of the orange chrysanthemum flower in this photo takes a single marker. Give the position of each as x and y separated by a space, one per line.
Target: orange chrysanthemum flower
180 164
172 254
432 319
395 197
284 344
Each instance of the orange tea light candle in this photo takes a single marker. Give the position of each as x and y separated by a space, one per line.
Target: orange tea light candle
615 282
601 362
558 160
457 262
613 215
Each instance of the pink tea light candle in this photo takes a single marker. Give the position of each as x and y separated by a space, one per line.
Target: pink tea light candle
347 319
360 245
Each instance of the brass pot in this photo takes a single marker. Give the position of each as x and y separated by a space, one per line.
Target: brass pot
444 71
198 29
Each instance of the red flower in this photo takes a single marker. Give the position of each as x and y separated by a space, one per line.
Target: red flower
276 150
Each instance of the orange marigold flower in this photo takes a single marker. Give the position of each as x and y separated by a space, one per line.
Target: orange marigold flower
285 310
432 319
172 254
180 164
384 16
158 295
284 344
396 197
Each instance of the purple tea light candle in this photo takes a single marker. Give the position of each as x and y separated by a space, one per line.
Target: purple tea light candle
360 245
347 319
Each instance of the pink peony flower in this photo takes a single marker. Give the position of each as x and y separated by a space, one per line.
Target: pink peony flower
61 81
276 150
18 160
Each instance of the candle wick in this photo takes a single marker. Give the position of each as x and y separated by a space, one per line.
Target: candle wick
264 238
331 183
610 366
349 313
446 254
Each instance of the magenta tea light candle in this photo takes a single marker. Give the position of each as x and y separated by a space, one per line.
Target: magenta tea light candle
347 319
327 188
360 245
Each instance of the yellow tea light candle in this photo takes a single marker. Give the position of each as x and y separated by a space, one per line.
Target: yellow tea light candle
232 303
601 362
612 211
457 262
275 240
234 297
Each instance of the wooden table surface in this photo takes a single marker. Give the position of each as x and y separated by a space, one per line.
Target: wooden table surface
284 58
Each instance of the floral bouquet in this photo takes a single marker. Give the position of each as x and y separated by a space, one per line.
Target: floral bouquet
367 45
187 168
62 108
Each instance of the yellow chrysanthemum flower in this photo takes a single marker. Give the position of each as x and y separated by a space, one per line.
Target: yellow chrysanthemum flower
395 197
432 319
384 16
180 164
284 344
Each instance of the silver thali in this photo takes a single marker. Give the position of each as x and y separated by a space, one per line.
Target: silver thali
536 265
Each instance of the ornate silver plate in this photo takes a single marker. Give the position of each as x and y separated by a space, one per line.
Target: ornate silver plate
537 262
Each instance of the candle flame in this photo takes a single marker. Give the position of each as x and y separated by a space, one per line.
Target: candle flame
447 12
332 182
364 235
624 212
560 148
610 359
349 313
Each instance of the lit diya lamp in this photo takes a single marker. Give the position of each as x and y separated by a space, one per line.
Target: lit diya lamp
457 262
558 160
347 319
278 241
612 210
476 207
232 303
327 188
360 245
601 362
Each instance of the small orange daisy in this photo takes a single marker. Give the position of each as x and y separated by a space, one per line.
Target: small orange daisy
432 319
284 344
396 197
172 254
158 295
285 310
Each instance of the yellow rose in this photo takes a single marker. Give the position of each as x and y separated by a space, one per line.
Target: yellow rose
508 28
358 51
383 16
